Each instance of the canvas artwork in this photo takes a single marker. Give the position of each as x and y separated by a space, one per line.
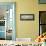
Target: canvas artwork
42 1
26 17
7 21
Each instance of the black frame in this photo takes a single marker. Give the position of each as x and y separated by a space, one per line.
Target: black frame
39 21
41 2
26 15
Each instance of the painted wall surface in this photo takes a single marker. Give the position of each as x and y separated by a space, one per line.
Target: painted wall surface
27 29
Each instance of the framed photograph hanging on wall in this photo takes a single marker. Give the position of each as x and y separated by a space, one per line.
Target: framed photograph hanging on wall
27 17
42 1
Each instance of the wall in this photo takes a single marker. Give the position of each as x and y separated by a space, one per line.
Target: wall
28 29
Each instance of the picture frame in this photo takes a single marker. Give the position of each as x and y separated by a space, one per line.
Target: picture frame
7 13
26 17
42 22
42 1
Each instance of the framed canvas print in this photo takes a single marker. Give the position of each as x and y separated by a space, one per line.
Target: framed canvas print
42 1
42 22
7 20
26 17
